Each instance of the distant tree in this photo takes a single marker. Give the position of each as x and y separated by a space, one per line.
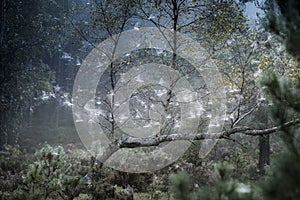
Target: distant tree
29 31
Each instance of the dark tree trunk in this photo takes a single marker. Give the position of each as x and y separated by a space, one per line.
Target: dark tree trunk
264 153
57 115
264 143
3 21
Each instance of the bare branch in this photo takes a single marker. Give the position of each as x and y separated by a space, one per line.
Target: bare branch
244 115
133 142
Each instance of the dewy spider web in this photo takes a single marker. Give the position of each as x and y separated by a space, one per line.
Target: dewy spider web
138 159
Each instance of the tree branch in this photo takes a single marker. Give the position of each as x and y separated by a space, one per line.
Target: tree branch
133 142
244 115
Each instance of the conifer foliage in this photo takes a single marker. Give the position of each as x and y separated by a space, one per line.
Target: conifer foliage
283 180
